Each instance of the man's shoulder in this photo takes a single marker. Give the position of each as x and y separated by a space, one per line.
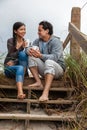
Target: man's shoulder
55 38
36 41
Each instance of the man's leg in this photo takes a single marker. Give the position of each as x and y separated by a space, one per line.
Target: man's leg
52 70
36 67
48 82
35 74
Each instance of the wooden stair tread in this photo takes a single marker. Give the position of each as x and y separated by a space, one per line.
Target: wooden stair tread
65 116
58 101
37 88
29 80
35 115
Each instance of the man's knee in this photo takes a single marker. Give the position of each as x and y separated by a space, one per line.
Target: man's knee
49 63
49 67
33 61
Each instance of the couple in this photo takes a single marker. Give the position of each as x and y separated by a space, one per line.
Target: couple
47 60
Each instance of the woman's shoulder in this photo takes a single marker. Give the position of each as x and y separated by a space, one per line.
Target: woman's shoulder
10 40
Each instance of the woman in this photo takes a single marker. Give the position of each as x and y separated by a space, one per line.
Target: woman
16 59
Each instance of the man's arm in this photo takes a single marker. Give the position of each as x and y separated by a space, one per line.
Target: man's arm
56 51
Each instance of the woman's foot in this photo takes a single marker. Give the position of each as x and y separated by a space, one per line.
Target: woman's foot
43 98
21 96
37 84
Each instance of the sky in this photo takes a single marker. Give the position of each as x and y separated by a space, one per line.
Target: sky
31 12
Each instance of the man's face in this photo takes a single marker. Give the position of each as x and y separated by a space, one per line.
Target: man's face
41 32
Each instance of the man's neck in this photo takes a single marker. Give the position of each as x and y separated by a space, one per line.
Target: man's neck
47 38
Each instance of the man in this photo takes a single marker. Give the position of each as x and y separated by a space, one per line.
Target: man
47 60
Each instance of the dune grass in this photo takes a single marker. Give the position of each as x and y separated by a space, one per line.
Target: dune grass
76 72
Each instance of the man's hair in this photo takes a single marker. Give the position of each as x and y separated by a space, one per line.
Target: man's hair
46 25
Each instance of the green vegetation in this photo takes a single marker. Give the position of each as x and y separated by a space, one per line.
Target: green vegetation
76 73
1 62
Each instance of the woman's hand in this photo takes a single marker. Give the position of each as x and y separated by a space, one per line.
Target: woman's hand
10 63
25 44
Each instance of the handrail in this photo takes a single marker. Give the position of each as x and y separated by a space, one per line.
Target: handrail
78 36
66 41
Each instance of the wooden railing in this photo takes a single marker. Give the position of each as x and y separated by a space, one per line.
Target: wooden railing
76 38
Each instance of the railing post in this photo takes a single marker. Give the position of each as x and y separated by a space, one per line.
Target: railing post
75 19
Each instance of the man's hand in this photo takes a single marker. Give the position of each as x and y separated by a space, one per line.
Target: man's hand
35 53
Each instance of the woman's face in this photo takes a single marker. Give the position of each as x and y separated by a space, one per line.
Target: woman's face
21 31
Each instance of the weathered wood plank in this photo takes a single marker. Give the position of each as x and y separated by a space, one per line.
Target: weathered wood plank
64 116
58 101
37 88
74 46
66 41
79 36
30 80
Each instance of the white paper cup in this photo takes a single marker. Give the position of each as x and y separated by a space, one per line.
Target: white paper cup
28 42
35 47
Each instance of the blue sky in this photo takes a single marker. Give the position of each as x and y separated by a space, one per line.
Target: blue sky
31 12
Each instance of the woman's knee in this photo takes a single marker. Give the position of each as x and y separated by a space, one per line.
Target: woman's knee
22 55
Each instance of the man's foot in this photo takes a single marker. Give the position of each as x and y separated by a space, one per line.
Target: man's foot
43 98
21 96
36 85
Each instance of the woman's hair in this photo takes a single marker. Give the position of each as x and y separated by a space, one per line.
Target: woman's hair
16 26
46 25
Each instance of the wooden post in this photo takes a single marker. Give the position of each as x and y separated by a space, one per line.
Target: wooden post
74 46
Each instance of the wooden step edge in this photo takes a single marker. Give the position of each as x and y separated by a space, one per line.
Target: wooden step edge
58 101
37 88
60 117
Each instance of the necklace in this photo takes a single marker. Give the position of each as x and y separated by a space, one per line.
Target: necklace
19 44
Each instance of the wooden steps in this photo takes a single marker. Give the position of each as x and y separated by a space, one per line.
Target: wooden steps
27 88
57 87
58 101
64 116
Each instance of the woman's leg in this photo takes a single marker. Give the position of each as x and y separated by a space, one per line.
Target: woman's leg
19 80
23 59
18 72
